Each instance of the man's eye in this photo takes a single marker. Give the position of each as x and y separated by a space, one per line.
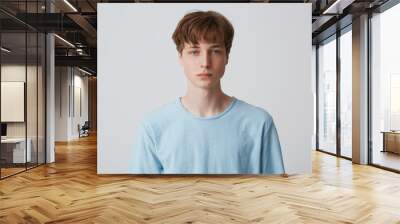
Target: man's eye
194 52
216 51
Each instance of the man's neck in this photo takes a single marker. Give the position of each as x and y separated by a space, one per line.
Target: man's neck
205 102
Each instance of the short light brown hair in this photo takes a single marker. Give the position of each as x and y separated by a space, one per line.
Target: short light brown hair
209 26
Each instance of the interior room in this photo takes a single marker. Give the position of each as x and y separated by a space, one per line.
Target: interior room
52 121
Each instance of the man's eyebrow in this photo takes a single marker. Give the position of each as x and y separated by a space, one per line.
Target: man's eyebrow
216 45
212 46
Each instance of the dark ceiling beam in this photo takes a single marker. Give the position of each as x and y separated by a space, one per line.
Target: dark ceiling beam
332 29
85 25
49 22
380 6
52 22
337 7
87 51
329 13
320 22
11 25
80 20
15 18
91 5
63 7
84 61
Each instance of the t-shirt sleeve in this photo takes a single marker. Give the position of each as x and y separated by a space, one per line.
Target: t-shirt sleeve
145 159
272 161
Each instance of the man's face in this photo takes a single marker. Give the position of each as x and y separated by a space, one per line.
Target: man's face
204 63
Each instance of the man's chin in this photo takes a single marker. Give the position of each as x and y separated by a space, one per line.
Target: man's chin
205 85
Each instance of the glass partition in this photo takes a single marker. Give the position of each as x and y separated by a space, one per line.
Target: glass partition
41 111
13 109
22 77
31 100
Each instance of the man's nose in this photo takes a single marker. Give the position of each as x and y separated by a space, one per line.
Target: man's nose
205 60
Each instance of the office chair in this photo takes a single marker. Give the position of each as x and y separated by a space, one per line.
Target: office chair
84 130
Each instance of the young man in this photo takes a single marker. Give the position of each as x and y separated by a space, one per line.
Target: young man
206 131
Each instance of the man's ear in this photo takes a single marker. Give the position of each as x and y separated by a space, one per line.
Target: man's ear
227 59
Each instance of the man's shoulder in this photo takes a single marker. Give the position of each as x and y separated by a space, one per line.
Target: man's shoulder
254 112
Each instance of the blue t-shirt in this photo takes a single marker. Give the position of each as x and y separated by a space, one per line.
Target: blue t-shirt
241 140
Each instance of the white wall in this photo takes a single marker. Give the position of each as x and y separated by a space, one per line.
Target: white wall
68 81
80 84
61 103
138 71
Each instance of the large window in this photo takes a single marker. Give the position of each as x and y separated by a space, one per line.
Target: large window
335 73
327 96
385 88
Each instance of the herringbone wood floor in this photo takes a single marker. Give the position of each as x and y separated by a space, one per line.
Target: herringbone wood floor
70 191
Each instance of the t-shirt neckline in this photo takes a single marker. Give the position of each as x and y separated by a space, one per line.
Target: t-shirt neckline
179 102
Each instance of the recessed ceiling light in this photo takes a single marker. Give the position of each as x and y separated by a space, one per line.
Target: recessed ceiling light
5 50
337 7
84 71
64 40
70 5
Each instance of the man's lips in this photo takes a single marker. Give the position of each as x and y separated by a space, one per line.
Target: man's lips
204 74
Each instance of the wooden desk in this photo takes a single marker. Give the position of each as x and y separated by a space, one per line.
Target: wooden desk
13 150
391 141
